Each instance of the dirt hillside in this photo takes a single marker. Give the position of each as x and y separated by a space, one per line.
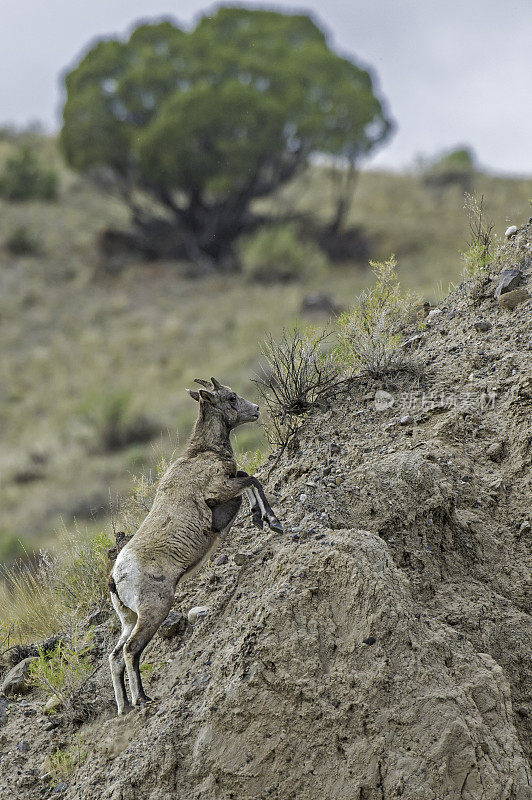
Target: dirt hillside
380 648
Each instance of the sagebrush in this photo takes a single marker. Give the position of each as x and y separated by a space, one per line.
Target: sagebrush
299 375
370 334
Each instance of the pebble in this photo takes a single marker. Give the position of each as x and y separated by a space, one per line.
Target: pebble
369 640
509 279
406 420
483 326
240 559
510 231
223 559
197 613
524 527
15 680
495 451
23 746
511 300
173 625
302 497
52 704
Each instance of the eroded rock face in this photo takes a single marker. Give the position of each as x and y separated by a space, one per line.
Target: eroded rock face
295 703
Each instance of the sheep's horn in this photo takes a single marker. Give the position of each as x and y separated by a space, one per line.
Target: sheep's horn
207 384
216 383
194 395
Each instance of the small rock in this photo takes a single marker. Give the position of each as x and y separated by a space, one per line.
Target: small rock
335 449
240 559
524 527
50 725
511 300
327 471
509 279
197 613
222 560
338 480
174 625
369 640
302 497
495 451
434 314
15 681
23 746
483 326
406 420
511 231
53 704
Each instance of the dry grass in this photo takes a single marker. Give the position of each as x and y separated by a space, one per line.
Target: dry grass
55 594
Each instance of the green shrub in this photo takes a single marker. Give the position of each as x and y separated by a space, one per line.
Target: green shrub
62 763
478 256
65 669
278 254
370 335
251 460
22 242
25 178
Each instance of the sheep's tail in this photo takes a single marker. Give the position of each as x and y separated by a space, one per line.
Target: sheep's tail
114 591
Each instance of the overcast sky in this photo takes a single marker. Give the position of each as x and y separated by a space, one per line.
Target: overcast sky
458 71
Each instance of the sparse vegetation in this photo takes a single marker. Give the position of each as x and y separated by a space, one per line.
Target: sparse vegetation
57 593
64 670
25 178
251 460
479 253
370 334
63 762
299 376
277 253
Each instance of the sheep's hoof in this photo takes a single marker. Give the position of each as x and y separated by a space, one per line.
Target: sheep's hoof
125 710
142 702
257 521
275 525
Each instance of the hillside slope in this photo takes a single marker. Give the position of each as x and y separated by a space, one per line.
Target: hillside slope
381 647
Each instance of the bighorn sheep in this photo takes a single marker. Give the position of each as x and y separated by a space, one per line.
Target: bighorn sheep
196 503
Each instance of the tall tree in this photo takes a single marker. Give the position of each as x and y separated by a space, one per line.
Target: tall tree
207 121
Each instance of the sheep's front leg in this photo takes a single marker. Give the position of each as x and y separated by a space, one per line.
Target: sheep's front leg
259 505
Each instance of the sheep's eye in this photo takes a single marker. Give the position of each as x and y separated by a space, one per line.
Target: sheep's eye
232 399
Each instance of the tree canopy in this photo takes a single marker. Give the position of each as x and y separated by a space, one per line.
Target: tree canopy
207 120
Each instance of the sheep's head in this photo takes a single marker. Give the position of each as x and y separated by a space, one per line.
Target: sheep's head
222 400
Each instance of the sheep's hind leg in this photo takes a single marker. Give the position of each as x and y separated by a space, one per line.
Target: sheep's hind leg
148 621
128 619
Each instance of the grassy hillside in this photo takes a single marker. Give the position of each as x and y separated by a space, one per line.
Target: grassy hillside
84 352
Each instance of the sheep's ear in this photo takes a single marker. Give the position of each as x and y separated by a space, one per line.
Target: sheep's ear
215 383
207 396
194 395
202 383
